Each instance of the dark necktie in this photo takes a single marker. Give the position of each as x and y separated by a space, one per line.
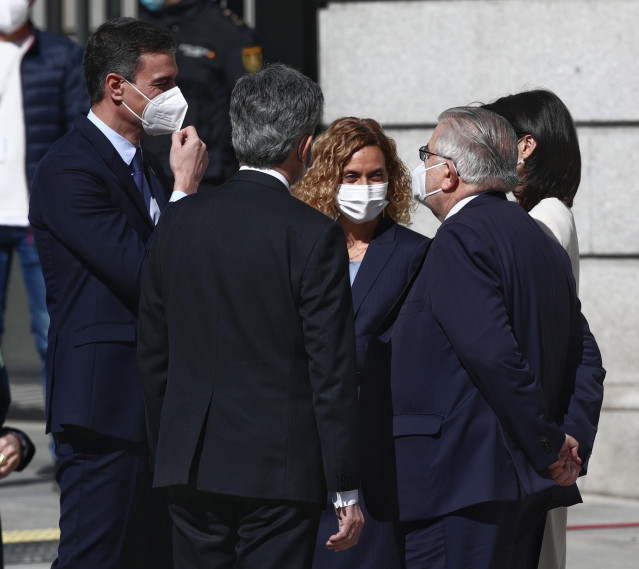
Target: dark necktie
137 171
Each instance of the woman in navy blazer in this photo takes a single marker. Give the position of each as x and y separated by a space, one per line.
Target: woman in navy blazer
357 178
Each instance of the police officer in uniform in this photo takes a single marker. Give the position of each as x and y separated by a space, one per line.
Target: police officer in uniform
214 49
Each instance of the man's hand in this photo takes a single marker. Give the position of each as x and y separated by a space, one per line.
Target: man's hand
565 471
11 449
188 160
350 524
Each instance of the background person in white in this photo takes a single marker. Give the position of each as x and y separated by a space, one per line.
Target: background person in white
41 91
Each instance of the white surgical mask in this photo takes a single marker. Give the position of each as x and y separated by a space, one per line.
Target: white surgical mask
361 203
418 176
13 15
163 114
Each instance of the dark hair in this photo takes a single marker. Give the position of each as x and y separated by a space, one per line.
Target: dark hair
270 110
116 47
553 170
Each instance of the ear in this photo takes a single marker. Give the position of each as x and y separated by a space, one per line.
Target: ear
113 86
526 146
450 180
305 144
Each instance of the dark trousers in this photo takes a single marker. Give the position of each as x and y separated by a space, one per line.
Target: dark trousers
478 537
530 531
228 532
109 515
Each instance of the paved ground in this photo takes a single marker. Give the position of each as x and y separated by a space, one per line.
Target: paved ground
29 501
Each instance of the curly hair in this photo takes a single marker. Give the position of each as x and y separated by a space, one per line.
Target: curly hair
331 152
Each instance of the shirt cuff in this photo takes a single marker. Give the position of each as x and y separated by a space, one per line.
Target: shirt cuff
348 498
177 195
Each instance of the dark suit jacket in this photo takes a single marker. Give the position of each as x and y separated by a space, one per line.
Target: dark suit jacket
393 256
490 356
246 346
91 229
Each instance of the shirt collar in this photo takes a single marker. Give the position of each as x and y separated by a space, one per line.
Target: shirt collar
460 204
123 147
270 172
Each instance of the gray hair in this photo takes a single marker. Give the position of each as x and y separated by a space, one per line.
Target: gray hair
270 111
482 145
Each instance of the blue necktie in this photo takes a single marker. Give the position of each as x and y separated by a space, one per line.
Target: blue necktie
137 171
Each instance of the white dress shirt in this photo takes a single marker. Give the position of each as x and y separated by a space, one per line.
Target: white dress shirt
14 193
556 219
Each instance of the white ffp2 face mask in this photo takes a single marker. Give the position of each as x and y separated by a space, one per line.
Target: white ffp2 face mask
361 203
418 176
13 15
163 114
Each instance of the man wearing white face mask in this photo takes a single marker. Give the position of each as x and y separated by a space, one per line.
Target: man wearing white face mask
419 176
482 370
41 91
94 204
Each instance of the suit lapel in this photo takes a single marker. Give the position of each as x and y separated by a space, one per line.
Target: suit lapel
379 252
115 163
384 328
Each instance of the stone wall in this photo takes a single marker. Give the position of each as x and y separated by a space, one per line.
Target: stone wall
403 62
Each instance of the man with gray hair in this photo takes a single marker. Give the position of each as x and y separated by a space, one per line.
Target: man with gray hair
490 363
246 350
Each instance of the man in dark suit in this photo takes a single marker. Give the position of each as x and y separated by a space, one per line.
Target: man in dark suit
495 380
247 352
94 203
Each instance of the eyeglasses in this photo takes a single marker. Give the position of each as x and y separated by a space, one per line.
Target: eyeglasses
424 153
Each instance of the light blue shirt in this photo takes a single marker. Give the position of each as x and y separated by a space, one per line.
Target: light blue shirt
353 267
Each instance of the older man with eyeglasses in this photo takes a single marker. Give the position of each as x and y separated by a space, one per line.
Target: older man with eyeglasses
485 371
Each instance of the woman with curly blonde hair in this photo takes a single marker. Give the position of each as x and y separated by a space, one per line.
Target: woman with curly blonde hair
357 178
334 148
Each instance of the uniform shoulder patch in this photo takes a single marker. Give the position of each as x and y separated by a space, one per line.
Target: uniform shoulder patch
252 58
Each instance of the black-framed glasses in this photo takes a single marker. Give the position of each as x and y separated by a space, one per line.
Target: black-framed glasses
425 153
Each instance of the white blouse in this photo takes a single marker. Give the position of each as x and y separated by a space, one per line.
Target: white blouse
556 219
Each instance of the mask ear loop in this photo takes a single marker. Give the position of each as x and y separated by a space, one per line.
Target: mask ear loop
522 161
144 122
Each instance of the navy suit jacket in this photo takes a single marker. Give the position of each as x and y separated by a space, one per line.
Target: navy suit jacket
490 363
91 229
393 256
